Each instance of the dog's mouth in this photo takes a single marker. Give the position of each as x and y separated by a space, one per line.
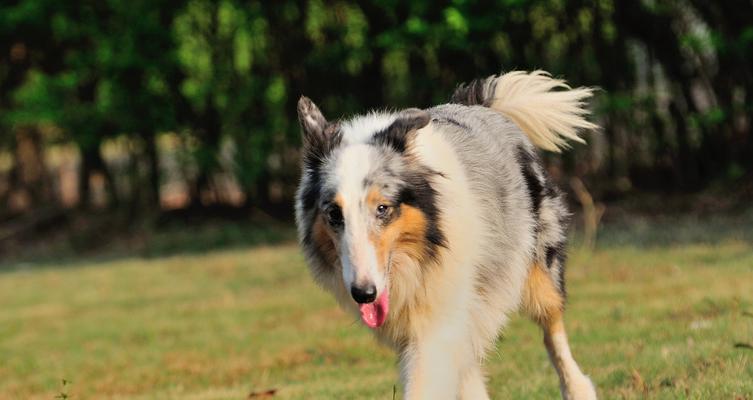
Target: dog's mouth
374 314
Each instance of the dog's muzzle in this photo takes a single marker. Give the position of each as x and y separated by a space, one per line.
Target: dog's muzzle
363 294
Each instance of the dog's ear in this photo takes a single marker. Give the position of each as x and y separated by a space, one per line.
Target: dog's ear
320 137
313 123
316 129
401 132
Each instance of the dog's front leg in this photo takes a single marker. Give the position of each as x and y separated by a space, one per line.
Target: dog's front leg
428 374
432 368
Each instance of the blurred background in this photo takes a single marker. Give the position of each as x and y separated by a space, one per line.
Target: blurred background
118 116
149 153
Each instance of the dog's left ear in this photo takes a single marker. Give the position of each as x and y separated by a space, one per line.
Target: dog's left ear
403 130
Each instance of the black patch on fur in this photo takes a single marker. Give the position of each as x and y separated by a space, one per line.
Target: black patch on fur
451 121
397 134
313 157
534 185
310 193
472 94
316 150
561 256
419 193
550 190
554 253
557 253
309 197
538 187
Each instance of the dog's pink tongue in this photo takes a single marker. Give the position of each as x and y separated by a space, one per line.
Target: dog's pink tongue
374 314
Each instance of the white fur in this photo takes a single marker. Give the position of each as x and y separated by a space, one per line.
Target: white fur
357 254
548 117
361 128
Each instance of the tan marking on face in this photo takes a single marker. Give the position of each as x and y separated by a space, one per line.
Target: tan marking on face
541 299
374 198
340 201
405 234
323 240
380 238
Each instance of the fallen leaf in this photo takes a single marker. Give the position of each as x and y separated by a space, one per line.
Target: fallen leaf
265 394
741 345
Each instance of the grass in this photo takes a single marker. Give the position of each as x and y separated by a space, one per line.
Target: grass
666 321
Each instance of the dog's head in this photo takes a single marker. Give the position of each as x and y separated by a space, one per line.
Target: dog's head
364 201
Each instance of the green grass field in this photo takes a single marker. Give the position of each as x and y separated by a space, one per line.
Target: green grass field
648 318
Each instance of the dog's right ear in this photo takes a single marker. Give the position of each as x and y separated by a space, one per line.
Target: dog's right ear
313 123
403 130
320 137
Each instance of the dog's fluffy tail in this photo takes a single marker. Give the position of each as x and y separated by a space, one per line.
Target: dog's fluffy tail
549 117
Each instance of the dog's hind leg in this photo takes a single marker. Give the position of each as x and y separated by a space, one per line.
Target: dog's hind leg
544 303
574 385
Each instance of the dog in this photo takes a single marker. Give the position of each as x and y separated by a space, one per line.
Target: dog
435 226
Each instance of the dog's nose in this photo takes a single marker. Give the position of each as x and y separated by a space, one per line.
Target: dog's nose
363 294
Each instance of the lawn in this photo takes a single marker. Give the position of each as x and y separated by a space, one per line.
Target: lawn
649 317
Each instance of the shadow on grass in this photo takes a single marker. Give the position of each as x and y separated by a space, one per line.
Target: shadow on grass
110 239
675 230
109 243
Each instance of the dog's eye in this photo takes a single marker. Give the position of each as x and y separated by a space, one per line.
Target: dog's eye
335 216
382 210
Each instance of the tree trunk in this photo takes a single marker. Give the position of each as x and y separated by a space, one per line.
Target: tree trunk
92 163
30 169
688 176
153 195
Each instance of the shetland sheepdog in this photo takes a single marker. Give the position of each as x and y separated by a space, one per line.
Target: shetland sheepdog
434 226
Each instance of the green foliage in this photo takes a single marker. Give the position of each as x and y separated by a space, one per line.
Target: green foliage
41 99
229 72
